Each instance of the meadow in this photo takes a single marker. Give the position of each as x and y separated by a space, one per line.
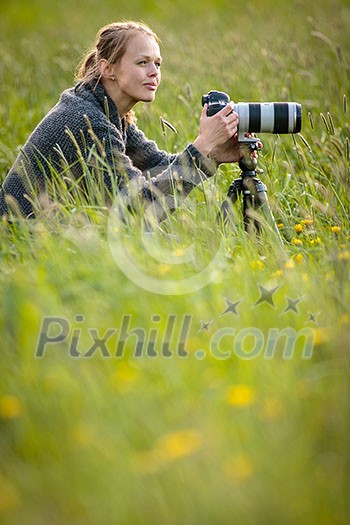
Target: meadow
197 374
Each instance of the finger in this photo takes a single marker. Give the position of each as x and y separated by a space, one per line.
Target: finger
231 132
227 110
233 117
234 123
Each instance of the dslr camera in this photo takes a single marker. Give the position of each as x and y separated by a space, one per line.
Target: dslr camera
258 117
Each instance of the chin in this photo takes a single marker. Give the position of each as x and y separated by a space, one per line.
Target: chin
150 98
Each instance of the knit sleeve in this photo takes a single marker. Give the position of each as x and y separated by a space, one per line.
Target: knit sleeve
155 174
146 155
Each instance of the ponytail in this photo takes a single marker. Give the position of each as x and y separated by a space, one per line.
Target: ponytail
88 68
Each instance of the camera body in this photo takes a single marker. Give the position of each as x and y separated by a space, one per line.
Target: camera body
258 117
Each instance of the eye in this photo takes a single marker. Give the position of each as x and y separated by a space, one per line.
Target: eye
158 65
142 62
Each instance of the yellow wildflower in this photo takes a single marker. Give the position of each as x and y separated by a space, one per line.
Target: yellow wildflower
317 240
280 225
123 378
10 407
321 336
257 265
297 242
168 448
179 252
307 222
240 395
164 268
299 258
289 264
239 468
298 228
178 444
336 229
344 256
277 273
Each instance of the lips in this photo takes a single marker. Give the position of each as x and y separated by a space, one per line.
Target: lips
151 86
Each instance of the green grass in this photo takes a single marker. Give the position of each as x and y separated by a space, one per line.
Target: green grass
218 421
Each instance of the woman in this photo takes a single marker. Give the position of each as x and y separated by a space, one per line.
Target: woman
92 127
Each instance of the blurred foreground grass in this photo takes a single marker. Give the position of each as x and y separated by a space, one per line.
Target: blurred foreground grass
227 416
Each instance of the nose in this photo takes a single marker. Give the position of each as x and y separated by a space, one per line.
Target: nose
153 70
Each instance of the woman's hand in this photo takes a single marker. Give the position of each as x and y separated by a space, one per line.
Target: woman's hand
217 130
227 152
230 150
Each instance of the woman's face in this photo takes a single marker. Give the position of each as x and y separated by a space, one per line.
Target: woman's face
138 73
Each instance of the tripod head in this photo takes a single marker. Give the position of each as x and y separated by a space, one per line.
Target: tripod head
248 147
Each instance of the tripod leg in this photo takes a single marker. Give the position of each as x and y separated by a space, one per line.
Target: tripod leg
254 198
250 199
250 224
234 190
263 204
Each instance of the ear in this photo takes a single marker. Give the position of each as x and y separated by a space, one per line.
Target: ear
106 69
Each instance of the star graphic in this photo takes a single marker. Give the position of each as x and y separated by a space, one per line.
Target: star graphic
205 326
266 296
292 305
231 307
312 318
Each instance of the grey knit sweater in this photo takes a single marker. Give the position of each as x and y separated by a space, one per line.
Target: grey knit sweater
84 131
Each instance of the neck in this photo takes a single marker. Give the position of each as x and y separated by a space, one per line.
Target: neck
123 104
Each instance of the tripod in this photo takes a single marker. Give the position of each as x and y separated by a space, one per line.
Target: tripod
252 189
